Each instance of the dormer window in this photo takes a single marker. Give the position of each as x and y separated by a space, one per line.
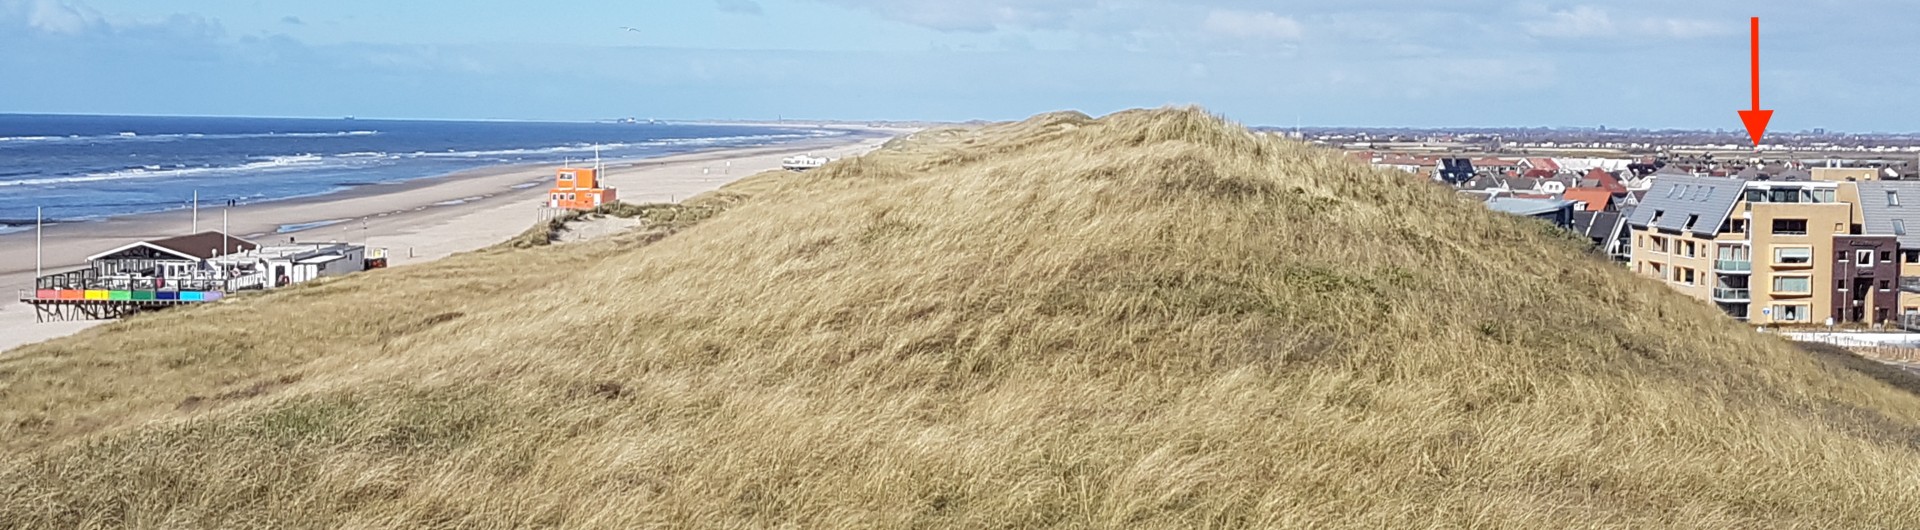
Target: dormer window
1899 227
1893 198
1691 220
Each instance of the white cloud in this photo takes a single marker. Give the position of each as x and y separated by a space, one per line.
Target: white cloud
978 15
56 16
1259 25
1589 21
739 7
1583 21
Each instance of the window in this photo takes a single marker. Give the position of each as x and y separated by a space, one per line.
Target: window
1793 256
566 176
1691 250
1840 285
1899 227
1863 257
1893 198
1824 196
1692 220
1910 256
1786 195
1886 285
1793 284
1756 195
1790 227
1790 313
1739 225
1886 256
1686 276
1657 214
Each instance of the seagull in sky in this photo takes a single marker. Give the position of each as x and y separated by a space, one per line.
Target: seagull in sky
635 30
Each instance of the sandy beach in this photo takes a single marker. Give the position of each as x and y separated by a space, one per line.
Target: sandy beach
416 221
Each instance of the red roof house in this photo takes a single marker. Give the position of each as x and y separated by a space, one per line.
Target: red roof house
1596 199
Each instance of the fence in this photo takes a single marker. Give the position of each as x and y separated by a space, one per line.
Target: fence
1887 347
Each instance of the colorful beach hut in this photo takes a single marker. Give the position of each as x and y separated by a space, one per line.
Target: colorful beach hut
579 189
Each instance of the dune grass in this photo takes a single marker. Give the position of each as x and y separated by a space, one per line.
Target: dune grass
1155 319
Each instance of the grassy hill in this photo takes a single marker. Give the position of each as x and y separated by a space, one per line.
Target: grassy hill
1152 319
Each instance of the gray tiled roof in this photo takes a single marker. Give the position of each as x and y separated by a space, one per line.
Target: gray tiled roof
1676 199
1880 216
1519 206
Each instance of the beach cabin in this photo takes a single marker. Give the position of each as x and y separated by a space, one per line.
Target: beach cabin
579 189
175 263
284 265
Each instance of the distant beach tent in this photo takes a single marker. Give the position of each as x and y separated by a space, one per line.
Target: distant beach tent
803 162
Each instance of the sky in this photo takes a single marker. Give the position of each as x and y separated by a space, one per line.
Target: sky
1381 63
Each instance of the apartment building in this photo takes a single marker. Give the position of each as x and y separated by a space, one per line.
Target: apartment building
1773 252
1890 207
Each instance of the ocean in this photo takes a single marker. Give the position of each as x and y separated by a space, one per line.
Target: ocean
91 167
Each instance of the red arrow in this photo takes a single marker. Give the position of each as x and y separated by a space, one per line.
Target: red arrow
1756 119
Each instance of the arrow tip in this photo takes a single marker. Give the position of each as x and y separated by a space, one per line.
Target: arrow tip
1756 123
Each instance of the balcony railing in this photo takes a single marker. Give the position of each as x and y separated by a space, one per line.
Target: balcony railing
1728 265
1732 295
1910 284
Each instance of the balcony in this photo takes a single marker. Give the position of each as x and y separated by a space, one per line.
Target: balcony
1910 284
1732 295
1727 266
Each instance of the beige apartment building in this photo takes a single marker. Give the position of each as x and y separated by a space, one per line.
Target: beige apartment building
1780 252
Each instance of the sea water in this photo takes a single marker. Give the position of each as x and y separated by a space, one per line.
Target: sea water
91 167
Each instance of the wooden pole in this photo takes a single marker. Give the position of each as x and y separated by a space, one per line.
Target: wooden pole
39 245
196 211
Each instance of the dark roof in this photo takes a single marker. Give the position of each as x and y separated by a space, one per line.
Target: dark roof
1676 200
204 245
1879 215
1595 225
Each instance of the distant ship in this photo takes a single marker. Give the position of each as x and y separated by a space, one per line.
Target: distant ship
803 162
348 118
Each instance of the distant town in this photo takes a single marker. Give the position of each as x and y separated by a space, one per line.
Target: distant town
1808 229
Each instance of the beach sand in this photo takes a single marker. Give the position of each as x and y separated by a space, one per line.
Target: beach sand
416 221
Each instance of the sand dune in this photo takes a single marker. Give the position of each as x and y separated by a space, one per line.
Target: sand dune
415 221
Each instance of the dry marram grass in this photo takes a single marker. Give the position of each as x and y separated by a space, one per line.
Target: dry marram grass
1153 319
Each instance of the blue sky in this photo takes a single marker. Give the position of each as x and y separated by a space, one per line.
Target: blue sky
1621 63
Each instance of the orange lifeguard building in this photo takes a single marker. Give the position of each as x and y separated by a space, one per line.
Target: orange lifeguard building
579 189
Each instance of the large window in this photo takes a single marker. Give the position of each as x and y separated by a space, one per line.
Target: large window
1793 284
1793 255
1790 227
1791 313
